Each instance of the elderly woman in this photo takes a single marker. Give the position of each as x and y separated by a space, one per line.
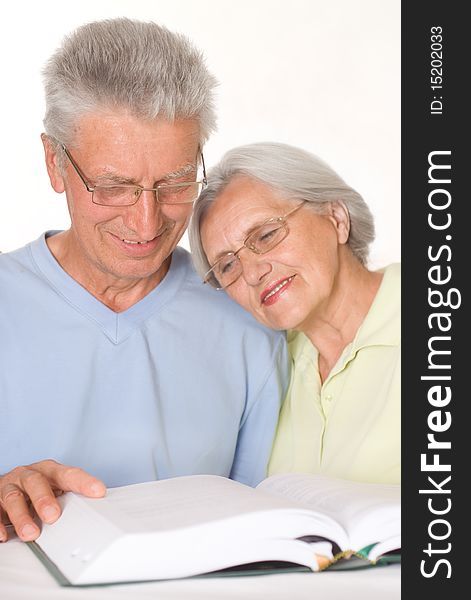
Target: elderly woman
284 236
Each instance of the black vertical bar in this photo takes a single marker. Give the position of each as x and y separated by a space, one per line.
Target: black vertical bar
435 233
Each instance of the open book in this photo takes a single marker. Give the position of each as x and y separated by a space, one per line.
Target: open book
200 524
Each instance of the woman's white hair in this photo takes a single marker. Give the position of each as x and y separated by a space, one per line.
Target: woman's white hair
126 64
293 174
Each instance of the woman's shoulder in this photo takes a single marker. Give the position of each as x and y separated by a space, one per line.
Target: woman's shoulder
392 273
394 269
300 346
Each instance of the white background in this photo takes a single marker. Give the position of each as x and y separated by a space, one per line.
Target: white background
323 75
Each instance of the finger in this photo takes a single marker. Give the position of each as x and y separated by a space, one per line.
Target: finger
16 507
39 491
71 479
3 521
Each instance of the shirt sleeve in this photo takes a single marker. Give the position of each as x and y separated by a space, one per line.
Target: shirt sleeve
258 424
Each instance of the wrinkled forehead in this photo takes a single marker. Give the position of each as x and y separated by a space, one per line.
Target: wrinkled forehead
246 195
108 129
244 203
118 143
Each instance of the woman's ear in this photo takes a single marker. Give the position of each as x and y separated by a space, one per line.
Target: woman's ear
341 219
52 165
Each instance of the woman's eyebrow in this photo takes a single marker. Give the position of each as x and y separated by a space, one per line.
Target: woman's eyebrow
247 234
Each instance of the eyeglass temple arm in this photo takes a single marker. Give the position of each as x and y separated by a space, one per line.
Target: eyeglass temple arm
77 170
205 179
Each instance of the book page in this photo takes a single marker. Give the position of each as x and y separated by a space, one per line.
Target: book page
181 502
369 512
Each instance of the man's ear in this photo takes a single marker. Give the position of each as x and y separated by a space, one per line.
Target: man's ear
341 219
52 165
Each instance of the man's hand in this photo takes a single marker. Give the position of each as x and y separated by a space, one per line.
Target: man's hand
33 489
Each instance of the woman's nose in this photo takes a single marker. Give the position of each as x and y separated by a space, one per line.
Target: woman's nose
254 268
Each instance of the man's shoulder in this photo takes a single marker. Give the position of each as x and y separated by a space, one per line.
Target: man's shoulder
15 261
195 292
21 280
215 307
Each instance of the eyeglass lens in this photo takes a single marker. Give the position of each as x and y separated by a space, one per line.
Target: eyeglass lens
260 241
184 193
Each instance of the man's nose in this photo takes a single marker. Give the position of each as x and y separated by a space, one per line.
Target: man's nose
254 267
145 217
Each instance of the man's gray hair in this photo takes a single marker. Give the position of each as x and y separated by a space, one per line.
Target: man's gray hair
293 174
125 64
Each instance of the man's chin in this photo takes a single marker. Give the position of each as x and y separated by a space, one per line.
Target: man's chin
138 269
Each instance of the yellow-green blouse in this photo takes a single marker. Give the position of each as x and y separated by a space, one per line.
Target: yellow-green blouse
349 426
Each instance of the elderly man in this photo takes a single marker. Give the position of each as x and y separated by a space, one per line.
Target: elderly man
117 364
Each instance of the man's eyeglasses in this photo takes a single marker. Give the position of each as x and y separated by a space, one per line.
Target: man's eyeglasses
183 192
227 269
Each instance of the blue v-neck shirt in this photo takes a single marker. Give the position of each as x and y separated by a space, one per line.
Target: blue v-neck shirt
182 382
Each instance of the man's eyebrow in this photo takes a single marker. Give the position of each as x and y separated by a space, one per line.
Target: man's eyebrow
185 170
109 178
